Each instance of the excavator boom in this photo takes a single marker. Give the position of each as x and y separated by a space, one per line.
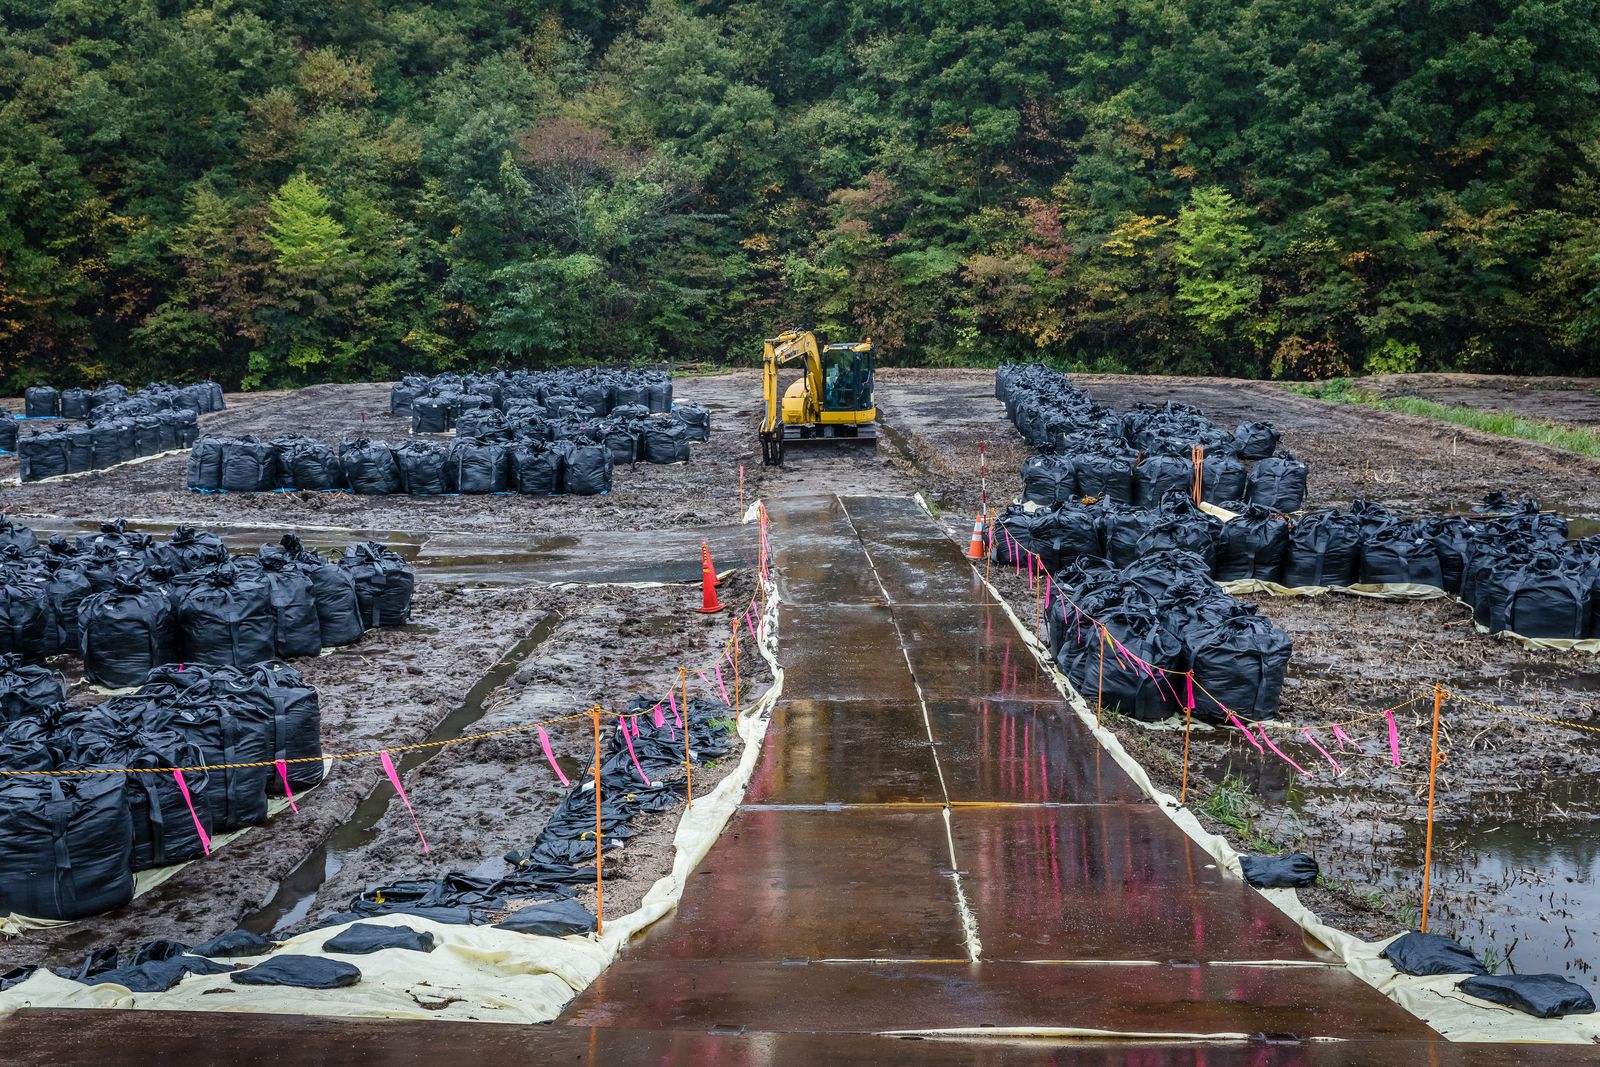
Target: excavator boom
830 403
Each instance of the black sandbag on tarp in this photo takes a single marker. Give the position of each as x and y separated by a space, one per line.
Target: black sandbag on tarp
248 466
364 938
333 590
1239 664
1256 440
476 466
1431 954
422 468
156 975
205 464
1277 483
1537 597
126 632
1223 477
64 846
296 629
163 826
301 972
114 441
228 618
230 730
1397 554
369 467
384 583
1123 685
297 720
1324 549
190 549
586 470
1048 478
27 688
401 394
556 918
233 944
1544 996
1159 474
41 402
27 620
1292 870
1252 545
533 469
80 449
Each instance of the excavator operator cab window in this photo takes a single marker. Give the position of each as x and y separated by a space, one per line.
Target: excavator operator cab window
846 379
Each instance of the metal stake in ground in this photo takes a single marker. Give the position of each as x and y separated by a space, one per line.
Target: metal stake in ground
1435 758
599 865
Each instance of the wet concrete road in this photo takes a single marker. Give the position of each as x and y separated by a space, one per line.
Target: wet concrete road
930 842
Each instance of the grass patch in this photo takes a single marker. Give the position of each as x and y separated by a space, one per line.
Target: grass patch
1231 804
1501 423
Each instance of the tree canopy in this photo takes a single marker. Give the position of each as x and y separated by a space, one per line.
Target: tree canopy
279 192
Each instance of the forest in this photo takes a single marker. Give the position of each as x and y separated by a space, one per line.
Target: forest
280 192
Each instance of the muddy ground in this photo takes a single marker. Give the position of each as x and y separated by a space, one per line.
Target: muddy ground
1572 401
701 492
1516 869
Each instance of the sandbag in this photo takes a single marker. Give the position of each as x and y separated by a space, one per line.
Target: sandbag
26 689
75 403
533 469
296 630
163 826
663 442
383 581
1277 483
1048 478
369 467
363 938
1253 544
1397 554
65 845
1222 478
228 618
297 720
205 464
1256 440
556 918
307 465
80 446
8 432
303 972
1160 474
1425 955
41 402
1105 476
401 394
622 442
333 589
695 418
1324 549
476 466
15 535
586 470
1122 686
125 632
432 414
190 549
1537 597
228 729
1239 663
233 944
1544 996
248 466
42 455
1292 870
422 468
27 622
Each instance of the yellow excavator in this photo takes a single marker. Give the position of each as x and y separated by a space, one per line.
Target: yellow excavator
830 403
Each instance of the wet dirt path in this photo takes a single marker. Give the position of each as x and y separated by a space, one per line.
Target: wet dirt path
929 842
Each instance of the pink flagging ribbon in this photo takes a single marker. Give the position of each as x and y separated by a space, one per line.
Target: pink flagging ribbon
1394 738
1337 770
183 787
672 698
1188 690
394 780
1048 585
283 776
1265 737
750 625
626 736
725 700
1344 740
661 720
544 743
1243 729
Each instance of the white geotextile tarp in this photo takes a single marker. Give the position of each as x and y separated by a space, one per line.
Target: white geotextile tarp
1434 1000
476 973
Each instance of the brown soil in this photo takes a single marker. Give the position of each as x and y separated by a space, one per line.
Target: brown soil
1574 401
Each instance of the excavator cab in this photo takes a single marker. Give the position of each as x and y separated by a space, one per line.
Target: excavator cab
830 403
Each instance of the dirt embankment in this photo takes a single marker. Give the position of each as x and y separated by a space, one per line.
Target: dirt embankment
1571 401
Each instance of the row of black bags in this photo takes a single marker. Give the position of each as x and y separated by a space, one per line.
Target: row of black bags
1086 450
594 390
48 402
127 602
418 468
103 443
69 844
632 433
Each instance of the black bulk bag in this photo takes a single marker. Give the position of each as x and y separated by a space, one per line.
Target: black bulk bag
1239 663
171 425
190 549
146 435
16 535
215 392
476 466
307 464
248 466
65 845
1253 544
1016 532
466 402
631 393
1256 440
596 396
476 422
1324 549
659 394
205 464
696 418
297 720
110 393
1049 479
1397 554
533 469
163 828
1069 531
1105 475
622 442
75 403
1536 598
66 586
8 432
401 394
229 730
27 623
1159 572
107 565
1181 525
41 402
1222 477
27 688
333 588
1452 537
42 455
80 449
185 428
1121 527
1122 685
422 468
586 470
431 414
1277 483
664 442
26 742
369 467
296 630
227 618
383 581
114 442
1159 474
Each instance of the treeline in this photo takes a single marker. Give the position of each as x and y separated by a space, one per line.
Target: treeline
284 191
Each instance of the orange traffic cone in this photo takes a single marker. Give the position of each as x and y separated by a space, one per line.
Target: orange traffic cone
975 550
708 584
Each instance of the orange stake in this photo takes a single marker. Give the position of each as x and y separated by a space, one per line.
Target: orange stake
688 765
599 866
1434 760
736 623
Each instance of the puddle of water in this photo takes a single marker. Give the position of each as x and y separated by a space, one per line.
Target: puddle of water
298 891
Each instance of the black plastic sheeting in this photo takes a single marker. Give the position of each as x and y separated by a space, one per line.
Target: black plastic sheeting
301 972
1544 996
1429 954
1292 870
363 938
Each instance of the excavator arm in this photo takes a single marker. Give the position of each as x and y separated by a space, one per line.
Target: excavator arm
832 402
792 346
